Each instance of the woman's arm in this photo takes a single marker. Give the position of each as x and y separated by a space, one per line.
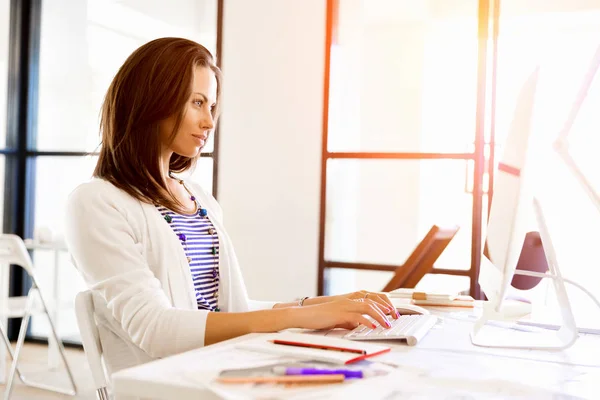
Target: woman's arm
342 313
223 326
380 299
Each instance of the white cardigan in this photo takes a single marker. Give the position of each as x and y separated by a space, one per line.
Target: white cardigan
130 258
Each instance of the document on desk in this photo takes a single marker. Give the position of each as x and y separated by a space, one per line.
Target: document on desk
314 347
482 376
226 361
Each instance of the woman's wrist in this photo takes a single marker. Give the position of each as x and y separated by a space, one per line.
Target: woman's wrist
312 301
274 320
308 301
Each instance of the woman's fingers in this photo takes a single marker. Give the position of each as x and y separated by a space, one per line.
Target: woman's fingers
358 319
367 307
385 302
380 306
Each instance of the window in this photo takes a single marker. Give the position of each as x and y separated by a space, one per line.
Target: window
561 40
400 135
402 85
82 45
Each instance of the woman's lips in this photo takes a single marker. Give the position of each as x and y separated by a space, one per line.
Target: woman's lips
200 140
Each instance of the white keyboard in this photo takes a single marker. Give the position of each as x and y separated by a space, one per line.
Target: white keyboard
411 328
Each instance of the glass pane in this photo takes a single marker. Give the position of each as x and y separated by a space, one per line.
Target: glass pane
533 34
341 281
59 282
203 175
50 209
84 44
4 33
560 38
403 76
584 140
210 144
378 210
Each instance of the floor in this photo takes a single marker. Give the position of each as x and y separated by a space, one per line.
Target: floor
34 366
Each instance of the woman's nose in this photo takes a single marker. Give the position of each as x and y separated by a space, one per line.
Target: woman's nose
208 122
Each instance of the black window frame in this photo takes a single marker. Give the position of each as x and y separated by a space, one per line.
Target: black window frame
21 134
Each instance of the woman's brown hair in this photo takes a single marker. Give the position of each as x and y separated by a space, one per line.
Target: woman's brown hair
154 83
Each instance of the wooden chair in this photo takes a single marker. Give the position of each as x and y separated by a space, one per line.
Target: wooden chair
421 260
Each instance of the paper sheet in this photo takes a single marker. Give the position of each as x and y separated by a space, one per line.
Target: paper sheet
444 365
231 357
481 374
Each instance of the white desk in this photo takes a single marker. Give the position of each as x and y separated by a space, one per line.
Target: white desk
444 364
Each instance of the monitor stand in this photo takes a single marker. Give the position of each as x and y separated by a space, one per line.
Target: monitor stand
496 310
516 308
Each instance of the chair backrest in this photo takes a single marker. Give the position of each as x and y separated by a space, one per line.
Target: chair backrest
13 251
84 311
421 260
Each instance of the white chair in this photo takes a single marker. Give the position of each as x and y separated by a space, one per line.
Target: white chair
84 310
14 252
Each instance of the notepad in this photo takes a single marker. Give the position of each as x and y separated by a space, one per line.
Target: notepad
314 347
433 298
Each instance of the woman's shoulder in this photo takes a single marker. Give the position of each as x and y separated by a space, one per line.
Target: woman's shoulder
98 190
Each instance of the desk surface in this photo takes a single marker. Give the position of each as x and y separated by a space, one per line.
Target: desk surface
444 364
36 245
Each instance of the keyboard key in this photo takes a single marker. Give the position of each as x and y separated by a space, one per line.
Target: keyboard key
408 327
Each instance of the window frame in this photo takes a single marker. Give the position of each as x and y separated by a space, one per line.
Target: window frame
482 166
21 135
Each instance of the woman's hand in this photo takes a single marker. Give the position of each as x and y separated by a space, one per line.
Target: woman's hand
381 300
341 313
345 311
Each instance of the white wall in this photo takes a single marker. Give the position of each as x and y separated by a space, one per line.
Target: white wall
270 143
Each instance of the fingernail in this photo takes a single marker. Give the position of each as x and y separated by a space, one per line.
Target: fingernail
388 324
373 326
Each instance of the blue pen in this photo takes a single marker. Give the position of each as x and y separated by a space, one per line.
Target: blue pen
348 373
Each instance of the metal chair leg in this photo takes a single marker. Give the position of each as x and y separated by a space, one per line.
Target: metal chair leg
10 351
20 340
102 394
61 349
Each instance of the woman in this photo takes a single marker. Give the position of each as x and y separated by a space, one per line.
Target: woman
151 246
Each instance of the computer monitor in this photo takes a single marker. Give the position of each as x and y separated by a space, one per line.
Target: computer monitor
512 204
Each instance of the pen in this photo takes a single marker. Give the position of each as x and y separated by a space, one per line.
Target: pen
348 373
319 346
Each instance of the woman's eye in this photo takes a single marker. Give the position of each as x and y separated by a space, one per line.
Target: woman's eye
199 102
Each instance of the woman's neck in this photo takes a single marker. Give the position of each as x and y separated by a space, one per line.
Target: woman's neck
164 165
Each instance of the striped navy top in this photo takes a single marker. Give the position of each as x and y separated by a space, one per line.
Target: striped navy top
201 246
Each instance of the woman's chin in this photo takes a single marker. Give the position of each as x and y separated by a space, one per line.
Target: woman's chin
189 153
